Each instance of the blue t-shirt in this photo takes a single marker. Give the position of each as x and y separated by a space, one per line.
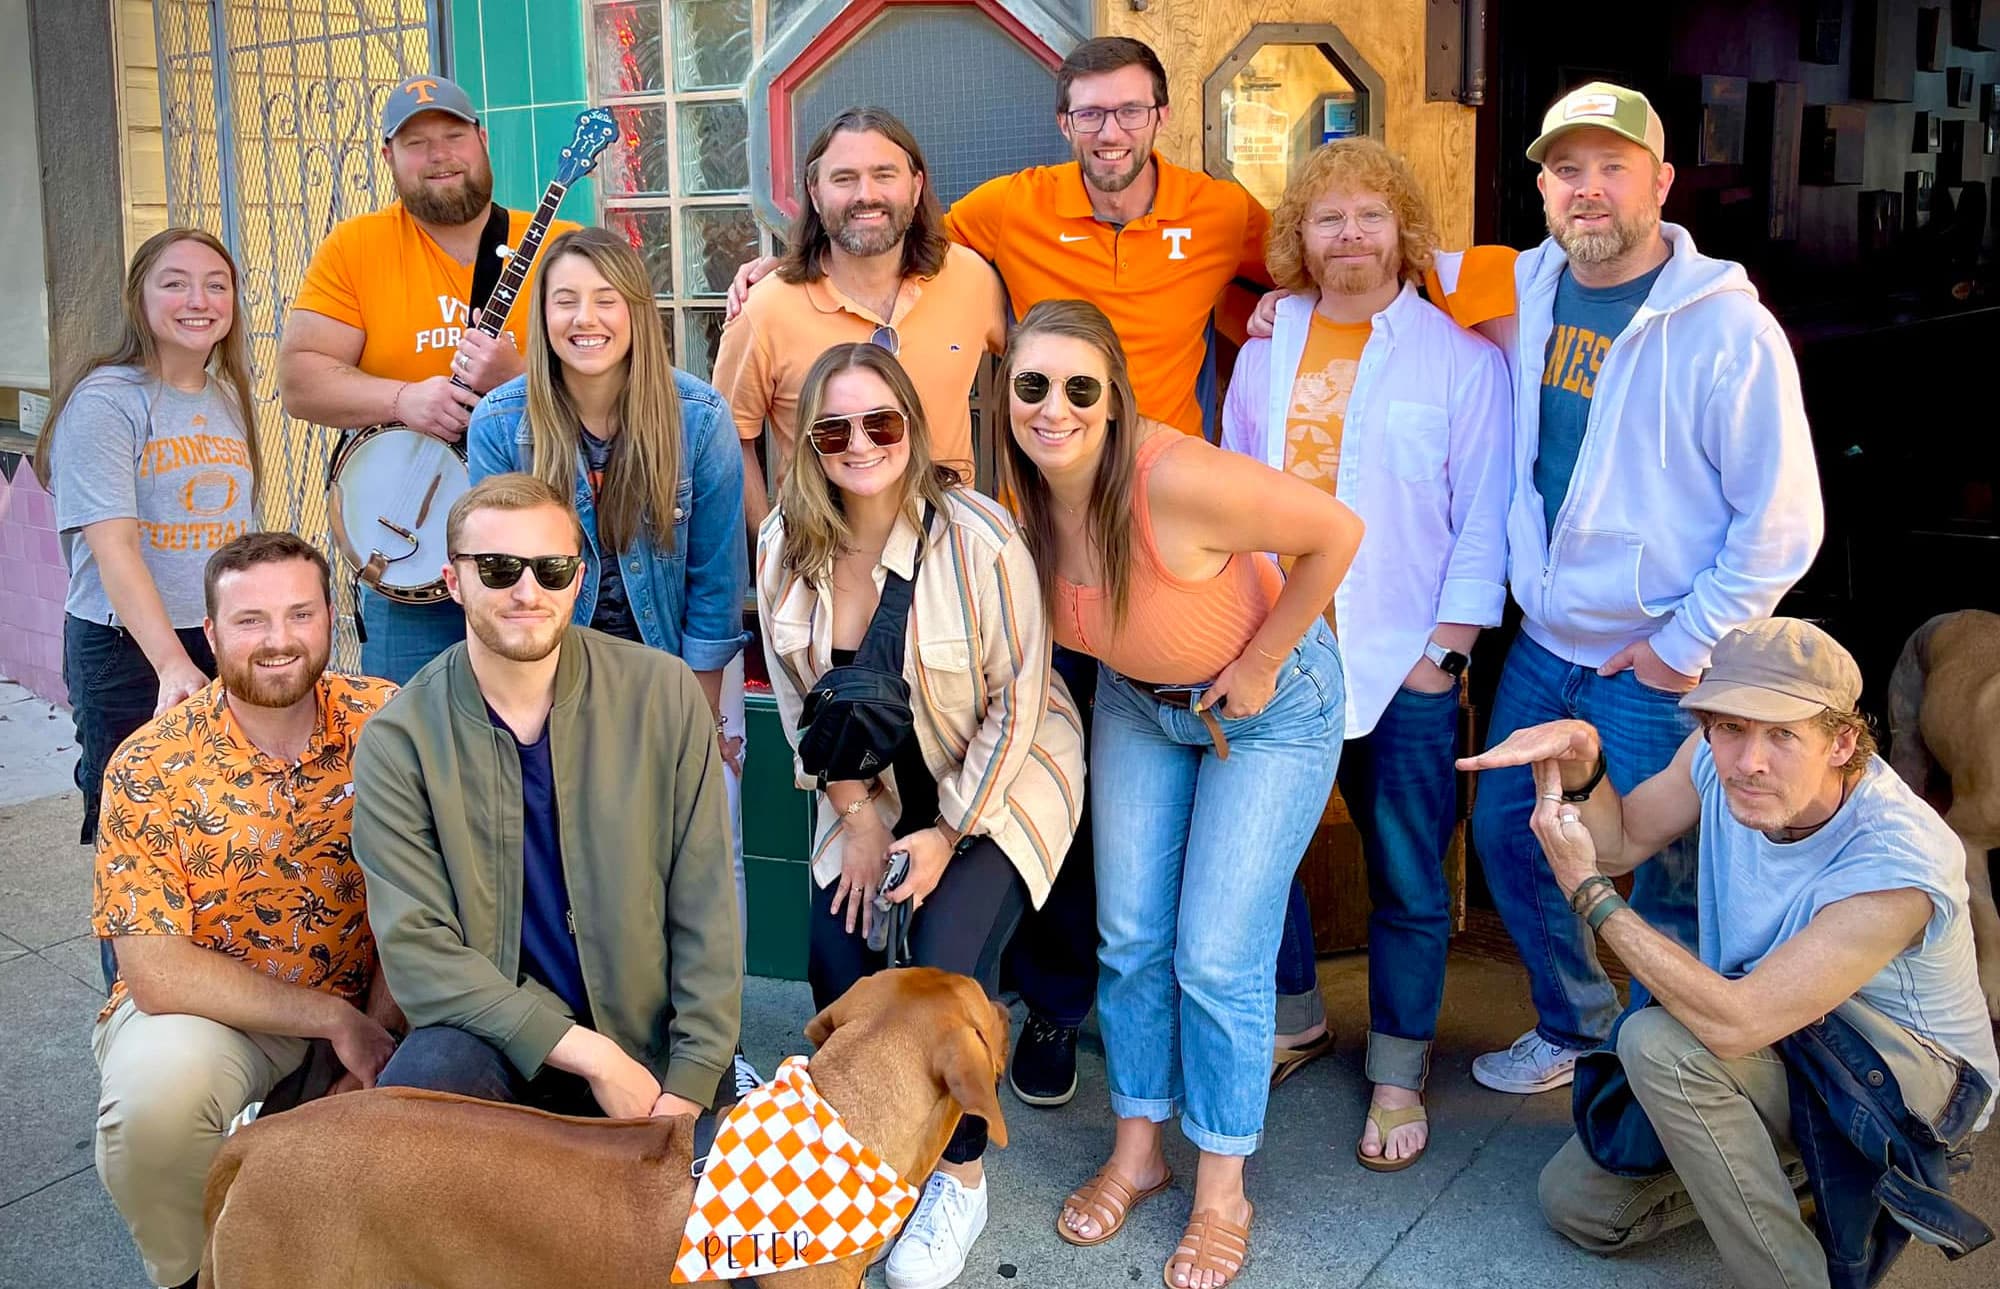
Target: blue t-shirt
548 937
1587 320
613 612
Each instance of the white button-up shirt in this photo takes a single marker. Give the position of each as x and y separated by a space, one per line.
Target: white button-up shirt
1423 461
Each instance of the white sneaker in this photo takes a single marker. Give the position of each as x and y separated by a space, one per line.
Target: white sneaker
1532 1064
746 1076
932 1249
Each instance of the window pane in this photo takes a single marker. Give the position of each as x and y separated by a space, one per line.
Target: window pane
628 59
704 336
637 160
711 43
718 239
780 17
650 231
715 147
667 325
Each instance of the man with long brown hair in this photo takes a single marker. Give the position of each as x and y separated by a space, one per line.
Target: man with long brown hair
869 260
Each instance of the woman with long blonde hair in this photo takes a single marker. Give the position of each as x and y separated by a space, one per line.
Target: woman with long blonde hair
151 454
1213 745
984 792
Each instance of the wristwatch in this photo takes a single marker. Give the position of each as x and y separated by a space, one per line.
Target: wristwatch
1449 661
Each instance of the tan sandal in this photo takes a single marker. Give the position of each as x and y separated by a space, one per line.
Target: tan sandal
1211 1242
1387 1121
1106 1199
1287 1061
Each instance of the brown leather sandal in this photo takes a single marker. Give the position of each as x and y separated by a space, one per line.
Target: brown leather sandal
1387 1121
1287 1061
1211 1242
1105 1199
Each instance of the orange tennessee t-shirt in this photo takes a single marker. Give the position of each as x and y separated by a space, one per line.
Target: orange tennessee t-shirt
1318 412
1157 279
382 273
944 326
202 835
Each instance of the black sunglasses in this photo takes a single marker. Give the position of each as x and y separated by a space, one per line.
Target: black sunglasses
885 427
1033 387
503 572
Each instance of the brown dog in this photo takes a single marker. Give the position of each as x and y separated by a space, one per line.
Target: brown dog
1944 713
401 1188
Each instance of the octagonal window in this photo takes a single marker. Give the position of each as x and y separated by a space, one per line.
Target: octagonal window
1282 92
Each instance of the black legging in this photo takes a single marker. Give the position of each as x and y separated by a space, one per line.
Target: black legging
964 926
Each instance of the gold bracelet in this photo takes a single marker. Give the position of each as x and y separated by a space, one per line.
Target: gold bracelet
853 808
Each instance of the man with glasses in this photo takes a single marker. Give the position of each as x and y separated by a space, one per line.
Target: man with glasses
869 260
543 824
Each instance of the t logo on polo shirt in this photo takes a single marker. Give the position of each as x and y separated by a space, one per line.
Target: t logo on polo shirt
1176 236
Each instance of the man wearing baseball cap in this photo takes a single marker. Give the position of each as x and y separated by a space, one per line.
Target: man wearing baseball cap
1827 889
1665 493
387 314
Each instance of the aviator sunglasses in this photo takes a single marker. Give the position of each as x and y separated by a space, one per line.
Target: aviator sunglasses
1032 387
885 427
503 572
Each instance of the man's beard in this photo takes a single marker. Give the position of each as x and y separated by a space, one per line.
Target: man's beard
524 644
1116 180
244 682
1338 277
877 240
447 207
1624 236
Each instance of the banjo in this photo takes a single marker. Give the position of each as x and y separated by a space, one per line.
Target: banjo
391 487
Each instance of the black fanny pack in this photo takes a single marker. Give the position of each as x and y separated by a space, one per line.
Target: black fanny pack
856 716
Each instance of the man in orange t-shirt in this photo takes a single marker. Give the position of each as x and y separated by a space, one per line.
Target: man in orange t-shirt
227 888
383 320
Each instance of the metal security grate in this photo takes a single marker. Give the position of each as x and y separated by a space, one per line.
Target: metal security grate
270 113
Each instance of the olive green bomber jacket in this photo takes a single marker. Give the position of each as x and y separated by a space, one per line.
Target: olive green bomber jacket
646 853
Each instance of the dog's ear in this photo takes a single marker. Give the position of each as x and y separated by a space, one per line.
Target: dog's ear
967 1069
829 1020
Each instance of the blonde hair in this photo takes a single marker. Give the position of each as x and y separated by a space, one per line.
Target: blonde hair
1350 165
1109 521
229 358
816 528
511 491
643 477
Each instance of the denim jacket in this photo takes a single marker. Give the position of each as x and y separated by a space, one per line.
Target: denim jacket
688 600
1879 1171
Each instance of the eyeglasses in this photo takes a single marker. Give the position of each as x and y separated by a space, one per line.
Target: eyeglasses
884 427
1330 223
885 337
503 572
1089 120
1032 387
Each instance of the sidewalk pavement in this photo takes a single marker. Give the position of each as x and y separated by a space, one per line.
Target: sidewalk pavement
1465 1216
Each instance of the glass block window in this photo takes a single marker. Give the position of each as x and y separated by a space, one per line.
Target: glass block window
677 180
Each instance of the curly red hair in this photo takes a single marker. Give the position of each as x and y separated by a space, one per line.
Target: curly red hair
1349 165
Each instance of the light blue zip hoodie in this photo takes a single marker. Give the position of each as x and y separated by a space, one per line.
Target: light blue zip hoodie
1695 503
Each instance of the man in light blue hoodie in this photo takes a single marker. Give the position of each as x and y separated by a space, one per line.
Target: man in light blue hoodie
1665 494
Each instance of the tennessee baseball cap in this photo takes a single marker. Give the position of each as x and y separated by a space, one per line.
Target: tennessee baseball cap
424 94
1780 669
1604 106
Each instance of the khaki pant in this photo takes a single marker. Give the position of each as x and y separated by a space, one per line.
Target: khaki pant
169 1085
1726 1126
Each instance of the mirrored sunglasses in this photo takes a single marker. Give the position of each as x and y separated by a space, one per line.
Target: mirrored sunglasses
885 427
1032 387
502 572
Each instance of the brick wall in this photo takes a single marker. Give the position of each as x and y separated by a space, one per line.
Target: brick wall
33 581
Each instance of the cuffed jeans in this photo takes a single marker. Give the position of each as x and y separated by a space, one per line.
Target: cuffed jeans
1300 1007
1640 729
1727 1128
1195 856
398 639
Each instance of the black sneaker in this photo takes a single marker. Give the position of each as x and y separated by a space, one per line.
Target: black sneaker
1043 1072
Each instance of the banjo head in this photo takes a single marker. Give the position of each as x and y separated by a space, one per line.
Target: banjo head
392 490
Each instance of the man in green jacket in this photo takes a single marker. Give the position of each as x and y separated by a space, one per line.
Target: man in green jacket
543 823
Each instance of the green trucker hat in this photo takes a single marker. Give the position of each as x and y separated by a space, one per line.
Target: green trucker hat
1604 106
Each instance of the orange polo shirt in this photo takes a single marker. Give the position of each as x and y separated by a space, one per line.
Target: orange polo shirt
1157 279
383 274
944 326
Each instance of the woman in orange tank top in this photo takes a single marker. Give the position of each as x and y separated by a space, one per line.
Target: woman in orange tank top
1217 729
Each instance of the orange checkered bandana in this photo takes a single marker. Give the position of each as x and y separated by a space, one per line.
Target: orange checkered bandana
786 1186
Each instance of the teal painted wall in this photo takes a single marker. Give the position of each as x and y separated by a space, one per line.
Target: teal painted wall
522 61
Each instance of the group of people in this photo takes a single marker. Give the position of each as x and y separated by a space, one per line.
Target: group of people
518 876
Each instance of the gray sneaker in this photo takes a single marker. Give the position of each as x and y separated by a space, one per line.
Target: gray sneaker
1532 1064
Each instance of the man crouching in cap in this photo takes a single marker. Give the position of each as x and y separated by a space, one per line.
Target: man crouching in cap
1829 893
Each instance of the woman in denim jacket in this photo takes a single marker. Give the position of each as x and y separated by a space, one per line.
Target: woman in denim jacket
649 455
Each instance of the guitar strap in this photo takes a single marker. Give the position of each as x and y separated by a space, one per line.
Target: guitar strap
487 265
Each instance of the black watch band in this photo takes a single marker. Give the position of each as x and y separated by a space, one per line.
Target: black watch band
1582 794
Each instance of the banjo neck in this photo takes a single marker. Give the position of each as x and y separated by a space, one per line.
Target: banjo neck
500 304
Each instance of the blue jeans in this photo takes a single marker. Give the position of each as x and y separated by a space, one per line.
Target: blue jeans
1641 729
400 638
1402 791
439 1058
1195 855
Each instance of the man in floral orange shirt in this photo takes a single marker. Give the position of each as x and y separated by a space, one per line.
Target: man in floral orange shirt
227 888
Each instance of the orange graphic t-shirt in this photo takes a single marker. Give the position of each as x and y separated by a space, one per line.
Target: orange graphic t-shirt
203 835
1318 412
382 273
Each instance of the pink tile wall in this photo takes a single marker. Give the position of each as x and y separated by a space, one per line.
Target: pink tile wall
33 581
